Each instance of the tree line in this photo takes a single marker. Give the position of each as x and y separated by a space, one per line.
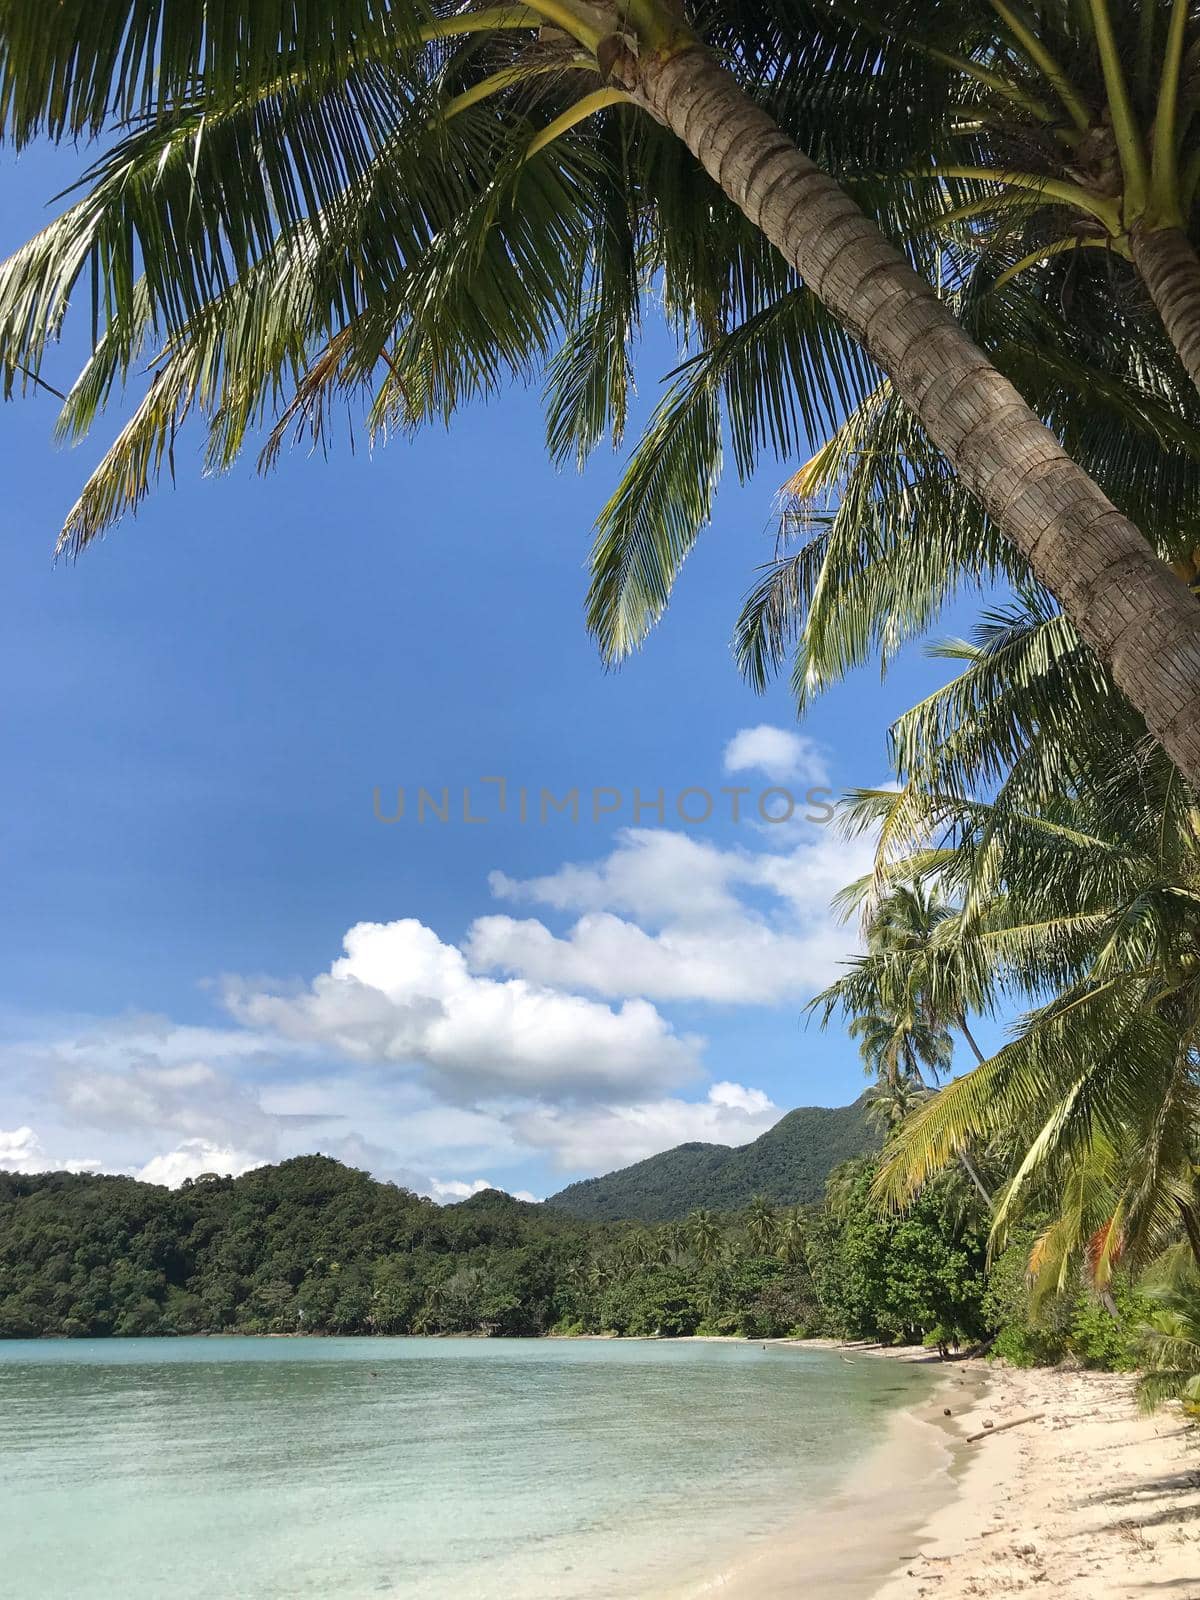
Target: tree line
313 1247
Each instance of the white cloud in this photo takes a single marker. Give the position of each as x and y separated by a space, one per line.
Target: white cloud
450 1189
21 1151
596 1139
744 963
457 1188
399 994
196 1156
710 942
783 756
652 874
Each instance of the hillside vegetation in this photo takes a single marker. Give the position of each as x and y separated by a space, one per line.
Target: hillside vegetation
788 1164
310 1246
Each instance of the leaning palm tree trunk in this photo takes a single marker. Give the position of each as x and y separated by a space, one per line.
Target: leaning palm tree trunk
1190 1217
1170 270
964 1159
1138 618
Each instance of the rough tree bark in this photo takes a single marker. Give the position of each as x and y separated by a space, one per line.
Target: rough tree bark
1133 612
1170 269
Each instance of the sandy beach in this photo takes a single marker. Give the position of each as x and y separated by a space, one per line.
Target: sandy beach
1091 1501
1094 1501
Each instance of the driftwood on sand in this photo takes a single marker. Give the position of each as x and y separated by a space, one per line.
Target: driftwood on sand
1034 1416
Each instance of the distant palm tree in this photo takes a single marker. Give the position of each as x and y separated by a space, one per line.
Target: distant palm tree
704 1236
792 1247
892 1101
762 1225
901 996
643 1249
791 1236
672 1242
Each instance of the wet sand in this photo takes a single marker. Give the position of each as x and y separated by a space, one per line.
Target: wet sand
1091 1501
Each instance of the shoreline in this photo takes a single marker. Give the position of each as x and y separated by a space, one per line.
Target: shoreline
1091 1500
849 1543
1086 1499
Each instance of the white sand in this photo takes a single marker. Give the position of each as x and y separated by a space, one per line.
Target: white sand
1093 1502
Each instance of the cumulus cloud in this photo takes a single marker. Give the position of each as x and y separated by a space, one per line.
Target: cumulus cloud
653 875
745 962
778 753
194 1157
451 1189
728 926
399 994
599 1138
22 1151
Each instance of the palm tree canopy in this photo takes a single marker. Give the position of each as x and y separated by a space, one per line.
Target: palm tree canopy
426 201
1088 908
430 201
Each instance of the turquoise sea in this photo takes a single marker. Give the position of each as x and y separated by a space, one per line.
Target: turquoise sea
256 1469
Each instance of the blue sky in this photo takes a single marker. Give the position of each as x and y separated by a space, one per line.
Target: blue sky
216 955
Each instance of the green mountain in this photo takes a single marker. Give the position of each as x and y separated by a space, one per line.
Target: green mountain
789 1163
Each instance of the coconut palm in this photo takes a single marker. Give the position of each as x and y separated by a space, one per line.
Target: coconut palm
762 1225
1090 909
307 199
1169 1342
792 1236
641 1249
891 1101
1067 130
878 535
900 1046
704 1236
901 996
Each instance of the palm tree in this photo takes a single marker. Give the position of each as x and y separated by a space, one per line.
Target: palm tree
792 1247
1169 1344
877 535
1064 128
1094 901
894 1006
436 192
892 1101
673 1238
704 1236
792 1236
896 1045
642 1249
762 1225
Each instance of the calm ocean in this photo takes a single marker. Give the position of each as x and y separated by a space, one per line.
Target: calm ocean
255 1469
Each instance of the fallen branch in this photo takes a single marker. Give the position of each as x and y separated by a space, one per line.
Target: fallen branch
1034 1416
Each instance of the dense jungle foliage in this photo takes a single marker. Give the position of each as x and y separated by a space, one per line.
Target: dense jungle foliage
788 1163
311 1246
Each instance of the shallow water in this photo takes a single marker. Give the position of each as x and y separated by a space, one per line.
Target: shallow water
254 1469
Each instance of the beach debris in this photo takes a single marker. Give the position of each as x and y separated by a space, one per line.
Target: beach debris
992 1427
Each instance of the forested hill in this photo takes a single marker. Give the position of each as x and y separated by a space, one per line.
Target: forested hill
789 1164
307 1245
310 1246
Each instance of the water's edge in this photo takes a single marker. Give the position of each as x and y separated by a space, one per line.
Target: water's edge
850 1543
268 1469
